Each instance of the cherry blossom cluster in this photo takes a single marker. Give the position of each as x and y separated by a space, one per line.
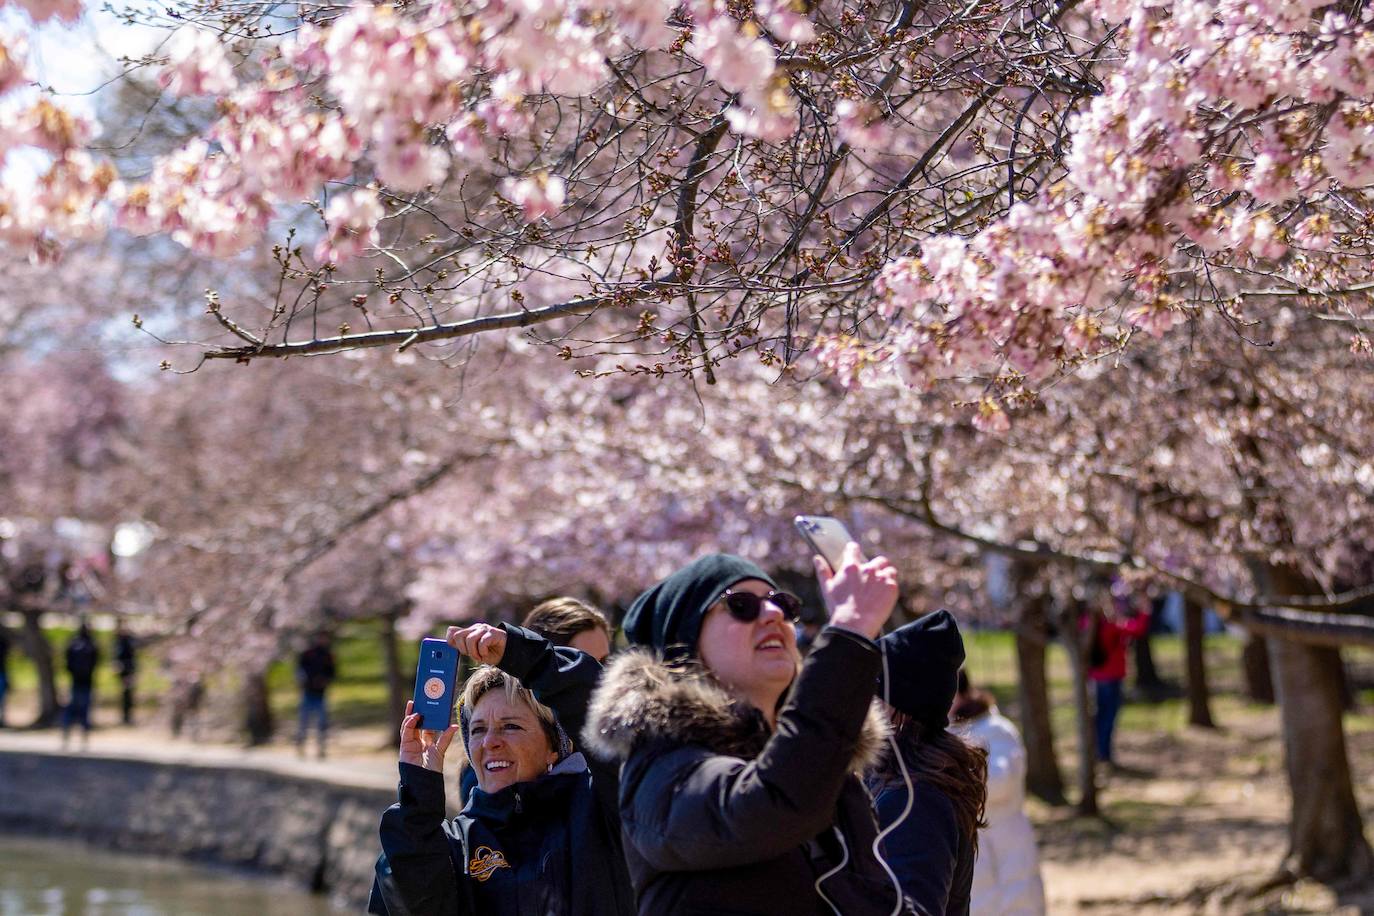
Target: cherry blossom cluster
407 96
1221 138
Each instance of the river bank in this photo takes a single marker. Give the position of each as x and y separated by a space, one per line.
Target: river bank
314 823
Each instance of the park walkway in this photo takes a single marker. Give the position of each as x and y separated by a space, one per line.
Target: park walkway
350 767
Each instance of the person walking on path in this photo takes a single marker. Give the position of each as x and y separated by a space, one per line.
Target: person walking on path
126 666
82 658
930 799
315 671
740 763
4 672
1006 877
1112 628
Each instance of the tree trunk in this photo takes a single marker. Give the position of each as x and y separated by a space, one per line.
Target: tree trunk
257 711
37 647
1083 710
1043 779
1148 683
395 679
1199 698
1350 700
1325 832
1254 662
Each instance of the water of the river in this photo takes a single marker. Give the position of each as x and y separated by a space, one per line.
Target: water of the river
50 878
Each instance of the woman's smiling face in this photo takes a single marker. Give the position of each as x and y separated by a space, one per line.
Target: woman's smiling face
506 742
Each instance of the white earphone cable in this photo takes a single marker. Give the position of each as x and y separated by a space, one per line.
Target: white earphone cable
882 834
910 795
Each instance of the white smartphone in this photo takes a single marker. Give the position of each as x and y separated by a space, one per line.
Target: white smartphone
827 536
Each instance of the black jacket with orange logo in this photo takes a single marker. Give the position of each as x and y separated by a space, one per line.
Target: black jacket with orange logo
550 847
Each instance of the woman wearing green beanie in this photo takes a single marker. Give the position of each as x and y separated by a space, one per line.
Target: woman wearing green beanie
739 790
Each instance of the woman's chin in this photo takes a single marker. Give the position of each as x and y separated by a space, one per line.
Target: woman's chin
776 664
495 782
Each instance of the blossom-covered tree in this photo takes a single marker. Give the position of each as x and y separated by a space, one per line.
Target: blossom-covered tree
1095 272
1005 191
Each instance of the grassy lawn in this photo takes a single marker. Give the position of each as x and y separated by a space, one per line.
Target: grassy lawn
359 697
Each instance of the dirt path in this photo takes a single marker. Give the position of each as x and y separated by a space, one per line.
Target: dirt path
1194 818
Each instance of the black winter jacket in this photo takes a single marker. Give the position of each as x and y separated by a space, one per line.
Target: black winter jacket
721 816
930 855
550 847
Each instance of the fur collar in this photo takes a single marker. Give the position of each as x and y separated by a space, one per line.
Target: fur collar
641 699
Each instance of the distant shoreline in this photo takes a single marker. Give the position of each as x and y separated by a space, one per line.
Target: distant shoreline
322 836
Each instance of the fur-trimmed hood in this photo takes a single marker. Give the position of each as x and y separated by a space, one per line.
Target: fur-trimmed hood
641 699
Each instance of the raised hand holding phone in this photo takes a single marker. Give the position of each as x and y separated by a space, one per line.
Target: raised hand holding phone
422 747
481 642
860 594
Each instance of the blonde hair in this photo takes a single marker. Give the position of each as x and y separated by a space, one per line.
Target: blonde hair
486 679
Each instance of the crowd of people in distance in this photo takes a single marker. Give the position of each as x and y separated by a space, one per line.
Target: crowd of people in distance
711 768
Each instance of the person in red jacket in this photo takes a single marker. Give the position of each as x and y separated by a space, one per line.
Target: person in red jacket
1113 628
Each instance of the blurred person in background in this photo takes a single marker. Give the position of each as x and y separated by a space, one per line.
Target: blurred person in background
82 658
740 762
315 671
4 671
573 623
1112 625
930 801
1006 878
126 666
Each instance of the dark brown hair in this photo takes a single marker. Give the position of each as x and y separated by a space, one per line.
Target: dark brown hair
560 619
970 702
946 763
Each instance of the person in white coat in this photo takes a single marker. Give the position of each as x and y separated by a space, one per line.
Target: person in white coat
1006 878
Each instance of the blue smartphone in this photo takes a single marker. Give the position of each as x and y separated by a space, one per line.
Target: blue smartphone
436 679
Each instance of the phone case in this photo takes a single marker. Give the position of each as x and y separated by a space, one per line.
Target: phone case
435 682
827 536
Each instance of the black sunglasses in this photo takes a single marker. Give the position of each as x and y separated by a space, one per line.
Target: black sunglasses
746 606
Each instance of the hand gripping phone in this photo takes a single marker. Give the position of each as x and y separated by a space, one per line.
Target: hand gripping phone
436 680
827 536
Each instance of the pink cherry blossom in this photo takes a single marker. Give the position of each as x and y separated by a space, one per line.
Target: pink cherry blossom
43 10
197 64
352 219
13 52
861 124
737 61
538 196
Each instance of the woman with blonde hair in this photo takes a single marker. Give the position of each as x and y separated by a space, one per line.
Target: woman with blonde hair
539 836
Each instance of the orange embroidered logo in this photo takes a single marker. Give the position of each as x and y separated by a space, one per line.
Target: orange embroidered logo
485 861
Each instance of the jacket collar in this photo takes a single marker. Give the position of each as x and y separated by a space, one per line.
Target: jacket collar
501 806
640 699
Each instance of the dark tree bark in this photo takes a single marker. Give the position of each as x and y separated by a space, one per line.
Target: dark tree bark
1325 831
1148 683
258 723
1083 712
395 678
1254 662
1199 698
1043 778
1350 700
37 647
